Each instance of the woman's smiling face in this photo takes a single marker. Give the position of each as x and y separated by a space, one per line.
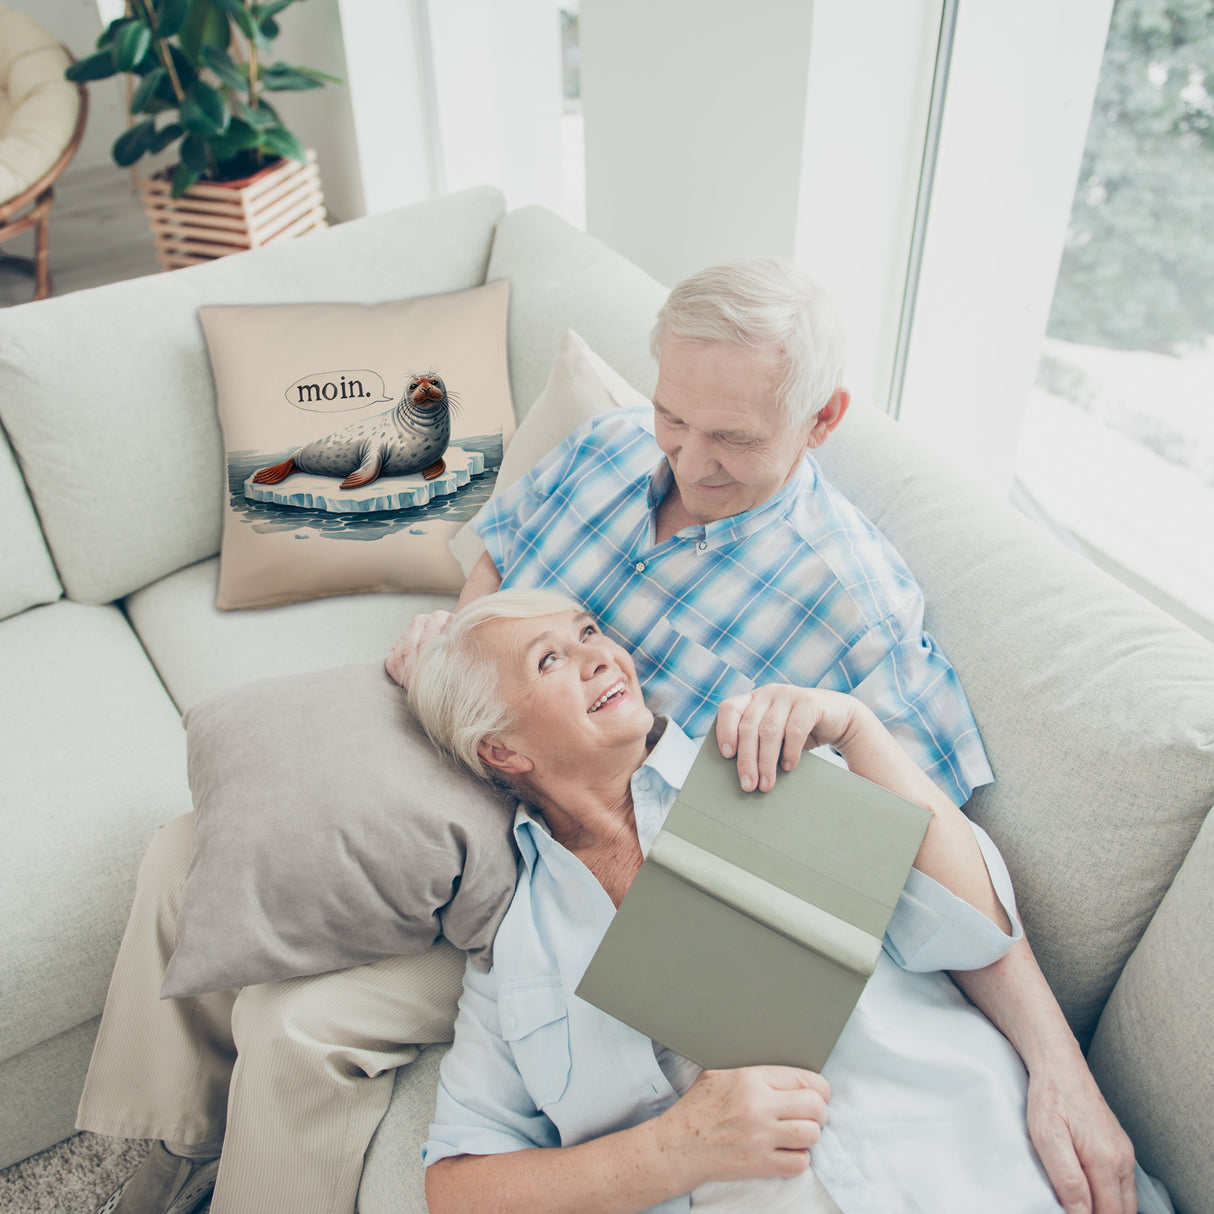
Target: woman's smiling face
572 691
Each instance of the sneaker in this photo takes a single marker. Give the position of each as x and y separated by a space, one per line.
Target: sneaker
164 1184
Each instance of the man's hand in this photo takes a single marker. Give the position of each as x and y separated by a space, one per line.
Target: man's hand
403 657
1087 1155
770 727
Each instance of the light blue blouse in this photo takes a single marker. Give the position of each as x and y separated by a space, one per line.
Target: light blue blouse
928 1104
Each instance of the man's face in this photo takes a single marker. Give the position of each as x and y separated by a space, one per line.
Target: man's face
716 419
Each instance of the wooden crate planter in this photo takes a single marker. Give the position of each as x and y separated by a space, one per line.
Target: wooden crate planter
215 218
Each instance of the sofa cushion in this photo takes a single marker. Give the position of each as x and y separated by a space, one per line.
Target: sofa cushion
1152 1054
27 574
199 650
303 390
393 1179
122 452
93 760
1097 710
580 386
328 833
562 279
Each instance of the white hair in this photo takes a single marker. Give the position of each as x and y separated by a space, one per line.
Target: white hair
762 303
454 691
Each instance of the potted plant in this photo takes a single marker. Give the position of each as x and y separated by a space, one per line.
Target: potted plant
201 71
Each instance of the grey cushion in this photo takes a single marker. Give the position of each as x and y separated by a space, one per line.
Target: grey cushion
562 279
1153 1053
116 428
27 574
92 760
1095 708
199 650
330 833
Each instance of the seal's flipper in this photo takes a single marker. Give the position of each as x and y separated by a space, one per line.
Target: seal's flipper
366 472
274 473
434 470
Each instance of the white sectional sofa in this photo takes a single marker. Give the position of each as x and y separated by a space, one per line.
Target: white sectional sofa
1097 711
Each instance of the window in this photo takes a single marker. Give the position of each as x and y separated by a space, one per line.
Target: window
1117 443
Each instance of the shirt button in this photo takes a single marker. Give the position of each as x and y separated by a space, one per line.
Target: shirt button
702 545
639 566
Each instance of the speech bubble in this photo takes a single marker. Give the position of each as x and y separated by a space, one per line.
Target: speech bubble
337 391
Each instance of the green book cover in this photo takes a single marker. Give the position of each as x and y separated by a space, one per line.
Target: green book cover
755 921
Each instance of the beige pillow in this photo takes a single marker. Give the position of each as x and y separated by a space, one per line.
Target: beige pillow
335 419
580 386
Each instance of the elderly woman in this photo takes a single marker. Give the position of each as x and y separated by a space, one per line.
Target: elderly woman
547 1103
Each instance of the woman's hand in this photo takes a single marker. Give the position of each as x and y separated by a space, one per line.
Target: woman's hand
772 725
402 660
755 1121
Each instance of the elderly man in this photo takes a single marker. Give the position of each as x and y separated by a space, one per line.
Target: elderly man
704 538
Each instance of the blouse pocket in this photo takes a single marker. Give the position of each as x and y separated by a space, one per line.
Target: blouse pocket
535 1023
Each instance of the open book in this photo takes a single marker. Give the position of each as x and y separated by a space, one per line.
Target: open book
757 918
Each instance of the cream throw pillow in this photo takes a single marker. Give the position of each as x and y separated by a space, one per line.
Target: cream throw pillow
580 386
313 397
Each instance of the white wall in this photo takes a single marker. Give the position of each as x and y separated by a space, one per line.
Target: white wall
387 60
497 71
694 126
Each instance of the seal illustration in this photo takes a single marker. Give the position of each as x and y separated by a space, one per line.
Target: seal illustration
411 437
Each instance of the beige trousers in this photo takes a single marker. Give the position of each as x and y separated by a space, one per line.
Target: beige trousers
293 1076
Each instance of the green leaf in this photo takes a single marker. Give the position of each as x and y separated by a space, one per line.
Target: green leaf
194 153
271 9
171 16
106 38
317 74
279 77
131 44
225 67
166 135
262 118
96 67
203 111
241 137
238 13
132 144
183 178
144 97
281 142
187 73
268 29
205 26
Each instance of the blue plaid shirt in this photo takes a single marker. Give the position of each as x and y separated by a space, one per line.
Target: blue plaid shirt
802 589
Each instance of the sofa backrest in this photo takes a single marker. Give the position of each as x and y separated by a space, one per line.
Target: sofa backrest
107 394
27 574
1097 712
1094 707
562 279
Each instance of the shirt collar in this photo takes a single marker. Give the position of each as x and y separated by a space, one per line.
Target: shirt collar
738 526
